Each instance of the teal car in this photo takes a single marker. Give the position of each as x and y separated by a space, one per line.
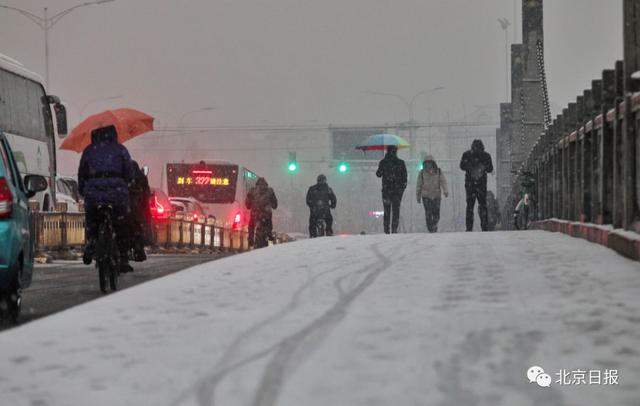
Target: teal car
16 236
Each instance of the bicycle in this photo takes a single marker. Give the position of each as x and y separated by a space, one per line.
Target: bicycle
321 228
107 253
262 233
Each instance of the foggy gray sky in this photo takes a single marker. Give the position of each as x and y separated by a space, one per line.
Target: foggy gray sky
286 61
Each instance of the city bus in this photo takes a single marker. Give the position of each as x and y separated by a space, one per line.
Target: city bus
27 121
220 186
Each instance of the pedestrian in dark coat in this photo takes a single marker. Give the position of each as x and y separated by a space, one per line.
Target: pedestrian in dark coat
320 199
261 201
393 172
476 162
139 216
103 177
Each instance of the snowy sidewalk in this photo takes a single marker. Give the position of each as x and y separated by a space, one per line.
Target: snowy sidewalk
447 319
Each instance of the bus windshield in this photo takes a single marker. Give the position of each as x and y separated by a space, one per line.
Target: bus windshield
208 183
26 120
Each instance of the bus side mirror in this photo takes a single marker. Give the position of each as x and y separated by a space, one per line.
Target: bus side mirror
61 118
35 184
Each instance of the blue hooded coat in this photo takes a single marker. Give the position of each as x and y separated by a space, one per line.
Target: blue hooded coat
105 171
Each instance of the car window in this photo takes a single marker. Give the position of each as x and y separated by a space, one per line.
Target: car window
5 162
62 187
13 168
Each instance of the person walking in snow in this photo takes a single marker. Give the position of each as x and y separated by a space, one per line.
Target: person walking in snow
476 162
139 219
430 187
320 199
393 172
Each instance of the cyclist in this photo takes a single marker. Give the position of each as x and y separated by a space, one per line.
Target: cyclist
261 201
320 199
103 178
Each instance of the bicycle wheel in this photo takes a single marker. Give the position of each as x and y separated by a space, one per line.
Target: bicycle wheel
114 270
104 250
102 275
261 236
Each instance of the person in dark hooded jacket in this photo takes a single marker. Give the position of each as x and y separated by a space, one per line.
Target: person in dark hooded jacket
261 201
103 177
393 172
476 162
139 219
320 199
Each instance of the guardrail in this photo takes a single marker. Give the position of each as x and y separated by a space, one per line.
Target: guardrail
60 231
585 167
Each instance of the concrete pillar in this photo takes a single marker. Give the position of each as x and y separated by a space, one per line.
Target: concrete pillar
618 153
606 145
631 37
517 114
559 186
571 161
532 35
503 154
578 164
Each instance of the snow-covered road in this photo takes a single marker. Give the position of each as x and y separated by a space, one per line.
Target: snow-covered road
447 319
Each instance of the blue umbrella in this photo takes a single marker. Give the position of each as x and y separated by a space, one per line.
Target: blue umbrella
380 142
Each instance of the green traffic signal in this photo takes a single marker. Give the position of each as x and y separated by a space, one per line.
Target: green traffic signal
343 167
293 167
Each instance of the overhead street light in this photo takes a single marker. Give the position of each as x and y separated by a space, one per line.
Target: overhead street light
46 23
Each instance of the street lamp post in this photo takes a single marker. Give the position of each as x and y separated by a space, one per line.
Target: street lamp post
46 23
409 104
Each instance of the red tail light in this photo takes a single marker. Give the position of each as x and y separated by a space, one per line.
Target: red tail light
159 206
237 220
157 209
6 199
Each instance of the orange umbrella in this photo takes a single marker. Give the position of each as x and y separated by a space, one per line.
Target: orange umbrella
129 123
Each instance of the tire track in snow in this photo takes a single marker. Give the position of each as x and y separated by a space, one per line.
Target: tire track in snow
296 346
204 390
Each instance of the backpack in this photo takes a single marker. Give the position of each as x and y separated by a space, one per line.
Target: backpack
477 171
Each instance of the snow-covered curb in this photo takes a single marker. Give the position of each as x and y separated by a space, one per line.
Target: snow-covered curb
622 241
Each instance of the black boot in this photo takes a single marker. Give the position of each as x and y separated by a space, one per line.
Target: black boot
89 252
124 265
138 253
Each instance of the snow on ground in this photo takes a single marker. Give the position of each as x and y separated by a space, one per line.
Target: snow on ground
447 319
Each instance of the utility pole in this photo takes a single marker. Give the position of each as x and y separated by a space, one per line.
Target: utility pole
46 23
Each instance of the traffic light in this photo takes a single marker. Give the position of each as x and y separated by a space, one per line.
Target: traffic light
343 167
292 164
